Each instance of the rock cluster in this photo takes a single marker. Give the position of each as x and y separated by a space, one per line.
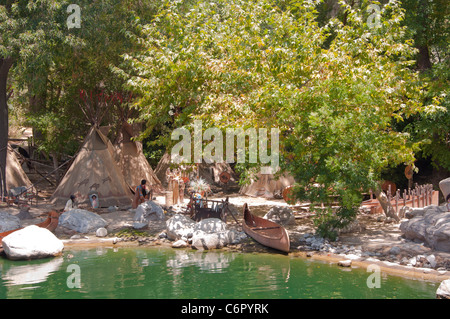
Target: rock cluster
430 225
406 254
208 233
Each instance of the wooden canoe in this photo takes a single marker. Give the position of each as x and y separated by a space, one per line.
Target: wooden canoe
265 232
50 223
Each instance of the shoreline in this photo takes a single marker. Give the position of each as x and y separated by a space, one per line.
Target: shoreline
408 272
374 242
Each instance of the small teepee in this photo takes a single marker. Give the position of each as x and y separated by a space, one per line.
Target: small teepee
131 161
267 185
15 175
94 170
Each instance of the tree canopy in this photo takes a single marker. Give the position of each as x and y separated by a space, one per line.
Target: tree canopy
334 91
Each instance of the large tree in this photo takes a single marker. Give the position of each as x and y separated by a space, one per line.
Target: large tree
332 90
28 29
51 60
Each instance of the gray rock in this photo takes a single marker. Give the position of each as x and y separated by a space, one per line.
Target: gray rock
413 212
444 185
179 226
395 250
345 263
149 211
82 221
101 232
282 215
236 237
32 242
8 222
137 225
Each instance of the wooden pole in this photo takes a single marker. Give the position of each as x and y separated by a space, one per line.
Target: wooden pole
396 200
404 197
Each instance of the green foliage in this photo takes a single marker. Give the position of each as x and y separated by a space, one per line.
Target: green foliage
53 63
328 221
249 63
57 133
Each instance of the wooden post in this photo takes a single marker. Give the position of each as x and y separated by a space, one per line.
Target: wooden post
396 200
389 194
404 197
412 197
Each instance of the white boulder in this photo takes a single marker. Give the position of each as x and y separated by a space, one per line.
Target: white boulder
443 292
101 232
211 233
32 242
179 244
205 241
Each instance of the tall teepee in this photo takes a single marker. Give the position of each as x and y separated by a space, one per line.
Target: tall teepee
132 162
94 170
15 175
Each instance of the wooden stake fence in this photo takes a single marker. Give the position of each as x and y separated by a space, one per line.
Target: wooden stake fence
420 196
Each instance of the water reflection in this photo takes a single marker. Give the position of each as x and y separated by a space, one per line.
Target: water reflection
166 273
30 274
206 261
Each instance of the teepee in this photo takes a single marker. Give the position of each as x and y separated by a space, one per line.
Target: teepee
94 170
131 161
267 185
15 175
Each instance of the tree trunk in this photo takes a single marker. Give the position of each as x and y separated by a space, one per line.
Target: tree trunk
423 58
5 66
385 204
55 166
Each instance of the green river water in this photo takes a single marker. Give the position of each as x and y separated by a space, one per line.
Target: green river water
162 273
